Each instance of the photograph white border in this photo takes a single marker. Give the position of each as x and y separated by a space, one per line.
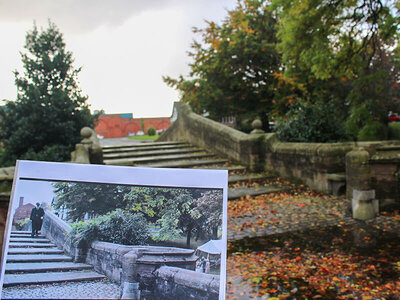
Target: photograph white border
156 177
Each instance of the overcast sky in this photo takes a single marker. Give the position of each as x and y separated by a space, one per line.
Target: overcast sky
123 46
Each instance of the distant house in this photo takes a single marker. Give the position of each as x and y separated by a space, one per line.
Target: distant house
22 211
121 125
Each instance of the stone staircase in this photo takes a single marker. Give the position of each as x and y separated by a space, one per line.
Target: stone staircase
184 155
38 261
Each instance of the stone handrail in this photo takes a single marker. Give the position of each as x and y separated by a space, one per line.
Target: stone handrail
58 232
202 132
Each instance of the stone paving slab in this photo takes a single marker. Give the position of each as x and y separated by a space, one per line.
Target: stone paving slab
31 245
278 218
28 240
35 251
37 258
98 289
239 192
50 277
126 154
45 267
152 159
183 164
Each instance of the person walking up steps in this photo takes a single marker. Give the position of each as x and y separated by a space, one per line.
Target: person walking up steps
37 214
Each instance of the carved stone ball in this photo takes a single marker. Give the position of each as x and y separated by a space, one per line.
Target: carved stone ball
257 124
86 132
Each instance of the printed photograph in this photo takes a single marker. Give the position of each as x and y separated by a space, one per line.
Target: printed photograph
136 236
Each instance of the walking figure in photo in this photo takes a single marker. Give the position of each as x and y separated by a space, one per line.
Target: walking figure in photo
37 219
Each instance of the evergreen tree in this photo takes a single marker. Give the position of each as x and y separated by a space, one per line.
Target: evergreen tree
44 122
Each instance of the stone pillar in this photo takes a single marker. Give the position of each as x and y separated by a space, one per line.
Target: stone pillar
130 287
81 250
256 155
80 155
358 171
89 149
364 205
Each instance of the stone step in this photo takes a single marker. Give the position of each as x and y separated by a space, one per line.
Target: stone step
154 159
229 168
237 193
183 164
31 245
249 177
35 251
26 235
21 232
153 144
45 267
134 148
29 240
20 258
51 277
149 153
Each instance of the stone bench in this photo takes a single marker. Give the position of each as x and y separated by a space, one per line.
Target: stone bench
337 182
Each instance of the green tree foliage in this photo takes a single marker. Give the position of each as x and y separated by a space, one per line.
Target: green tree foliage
235 65
178 211
119 227
311 123
209 207
335 38
45 120
193 213
348 50
94 199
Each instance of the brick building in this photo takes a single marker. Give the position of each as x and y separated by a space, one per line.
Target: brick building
22 211
121 125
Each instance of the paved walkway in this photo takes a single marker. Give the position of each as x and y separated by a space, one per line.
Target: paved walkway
103 289
282 212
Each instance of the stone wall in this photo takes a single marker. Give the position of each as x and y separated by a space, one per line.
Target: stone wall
176 283
223 140
119 261
107 258
58 231
318 165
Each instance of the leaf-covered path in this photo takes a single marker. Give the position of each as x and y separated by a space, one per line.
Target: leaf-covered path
305 245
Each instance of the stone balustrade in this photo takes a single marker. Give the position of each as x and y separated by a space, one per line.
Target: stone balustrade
322 166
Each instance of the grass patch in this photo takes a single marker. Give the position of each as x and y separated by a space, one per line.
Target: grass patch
144 137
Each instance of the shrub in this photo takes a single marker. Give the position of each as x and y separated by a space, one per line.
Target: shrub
117 227
373 131
21 223
394 131
151 131
306 122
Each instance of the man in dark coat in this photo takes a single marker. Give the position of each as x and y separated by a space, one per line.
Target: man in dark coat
37 219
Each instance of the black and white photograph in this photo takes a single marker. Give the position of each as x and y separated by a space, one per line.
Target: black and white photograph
78 231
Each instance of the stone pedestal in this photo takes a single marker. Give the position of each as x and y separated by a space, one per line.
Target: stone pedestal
364 205
358 171
130 287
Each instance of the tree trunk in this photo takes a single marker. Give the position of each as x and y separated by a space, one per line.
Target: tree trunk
215 233
188 236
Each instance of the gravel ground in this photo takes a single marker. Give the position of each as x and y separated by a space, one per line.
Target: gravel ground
103 289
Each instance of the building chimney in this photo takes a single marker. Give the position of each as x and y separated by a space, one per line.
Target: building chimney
21 201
